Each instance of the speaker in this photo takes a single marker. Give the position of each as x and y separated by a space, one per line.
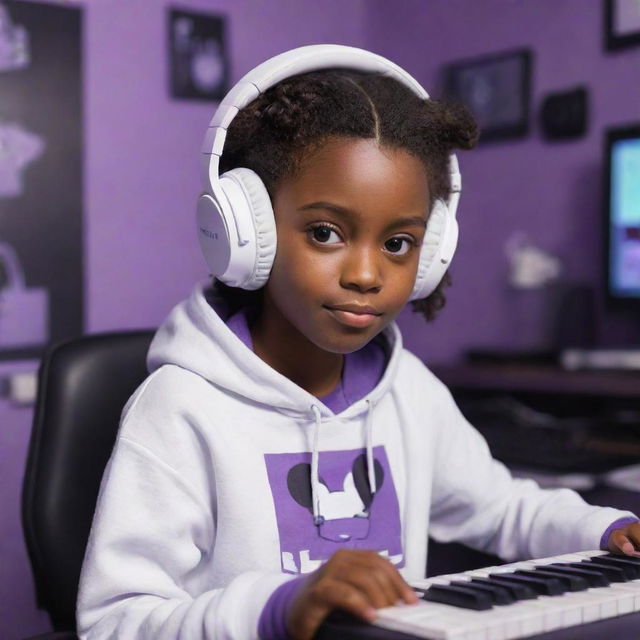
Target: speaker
575 313
564 115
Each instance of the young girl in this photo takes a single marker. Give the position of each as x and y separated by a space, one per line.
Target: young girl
286 456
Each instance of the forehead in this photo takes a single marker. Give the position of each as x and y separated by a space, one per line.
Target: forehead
360 174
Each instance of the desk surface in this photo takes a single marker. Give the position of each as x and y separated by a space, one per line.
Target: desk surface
540 378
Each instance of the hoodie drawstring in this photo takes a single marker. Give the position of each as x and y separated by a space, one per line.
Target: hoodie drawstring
318 518
315 480
370 468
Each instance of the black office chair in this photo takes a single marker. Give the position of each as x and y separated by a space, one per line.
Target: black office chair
83 385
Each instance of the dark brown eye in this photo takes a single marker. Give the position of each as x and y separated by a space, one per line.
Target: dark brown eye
398 246
322 234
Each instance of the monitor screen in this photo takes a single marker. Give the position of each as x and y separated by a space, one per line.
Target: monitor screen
622 213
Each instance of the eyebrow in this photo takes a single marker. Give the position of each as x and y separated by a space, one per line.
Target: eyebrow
347 213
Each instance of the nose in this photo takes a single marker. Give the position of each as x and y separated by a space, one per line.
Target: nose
361 270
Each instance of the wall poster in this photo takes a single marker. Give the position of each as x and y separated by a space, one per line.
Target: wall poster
41 127
198 61
497 89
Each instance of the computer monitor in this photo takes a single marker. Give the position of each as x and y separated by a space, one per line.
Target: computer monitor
622 216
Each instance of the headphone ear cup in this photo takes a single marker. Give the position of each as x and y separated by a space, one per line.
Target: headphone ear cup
438 246
249 199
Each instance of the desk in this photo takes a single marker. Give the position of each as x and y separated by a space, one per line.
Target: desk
538 378
545 419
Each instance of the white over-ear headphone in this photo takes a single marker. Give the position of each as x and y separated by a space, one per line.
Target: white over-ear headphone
236 225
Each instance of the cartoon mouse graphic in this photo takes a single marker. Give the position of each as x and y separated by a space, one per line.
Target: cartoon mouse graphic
345 513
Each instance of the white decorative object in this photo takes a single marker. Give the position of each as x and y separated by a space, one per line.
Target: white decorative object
24 313
18 149
529 266
14 43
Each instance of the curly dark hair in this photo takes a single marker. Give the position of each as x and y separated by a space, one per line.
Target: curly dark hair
274 133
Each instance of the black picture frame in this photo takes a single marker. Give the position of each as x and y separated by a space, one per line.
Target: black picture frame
42 275
198 62
497 89
621 24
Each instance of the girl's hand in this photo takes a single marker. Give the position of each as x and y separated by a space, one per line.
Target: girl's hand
357 581
626 540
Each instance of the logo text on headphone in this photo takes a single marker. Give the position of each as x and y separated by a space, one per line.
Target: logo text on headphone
210 234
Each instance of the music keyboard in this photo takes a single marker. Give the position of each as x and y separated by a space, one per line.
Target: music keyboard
520 599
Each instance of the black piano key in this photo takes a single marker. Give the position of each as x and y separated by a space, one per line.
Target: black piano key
517 591
550 586
570 582
458 597
632 559
542 586
498 596
632 571
610 575
620 572
594 578
613 573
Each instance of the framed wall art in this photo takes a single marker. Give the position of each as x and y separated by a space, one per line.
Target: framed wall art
198 65
497 89
621 23
41 169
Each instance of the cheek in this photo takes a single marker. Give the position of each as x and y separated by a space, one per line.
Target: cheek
297 269
401 278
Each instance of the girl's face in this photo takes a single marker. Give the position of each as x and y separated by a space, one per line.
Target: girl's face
349 227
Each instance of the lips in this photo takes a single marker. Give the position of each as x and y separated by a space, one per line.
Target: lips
354 315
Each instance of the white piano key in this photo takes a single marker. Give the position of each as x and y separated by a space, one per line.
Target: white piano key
596 604
552 611
571 607
609 605
595 552
631 589
424 584
498 623
437 622
484 573
419 610
444 580
518 619
569 557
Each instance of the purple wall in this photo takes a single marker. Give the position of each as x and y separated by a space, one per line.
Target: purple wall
552 192
142 181
142 175
143 148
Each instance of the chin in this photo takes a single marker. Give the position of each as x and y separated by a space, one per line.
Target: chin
347 343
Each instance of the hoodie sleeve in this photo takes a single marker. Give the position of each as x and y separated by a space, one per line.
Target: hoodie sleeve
476 500
152 535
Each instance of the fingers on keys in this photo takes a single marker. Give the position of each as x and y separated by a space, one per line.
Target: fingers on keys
355 581
626 540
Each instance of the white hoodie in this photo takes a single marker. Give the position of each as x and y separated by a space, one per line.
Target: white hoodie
222 464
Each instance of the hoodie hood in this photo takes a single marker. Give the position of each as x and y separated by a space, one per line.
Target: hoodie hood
195 337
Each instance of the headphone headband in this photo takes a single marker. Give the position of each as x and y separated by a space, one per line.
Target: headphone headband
301 60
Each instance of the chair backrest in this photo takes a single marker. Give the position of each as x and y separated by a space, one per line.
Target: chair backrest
83 385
